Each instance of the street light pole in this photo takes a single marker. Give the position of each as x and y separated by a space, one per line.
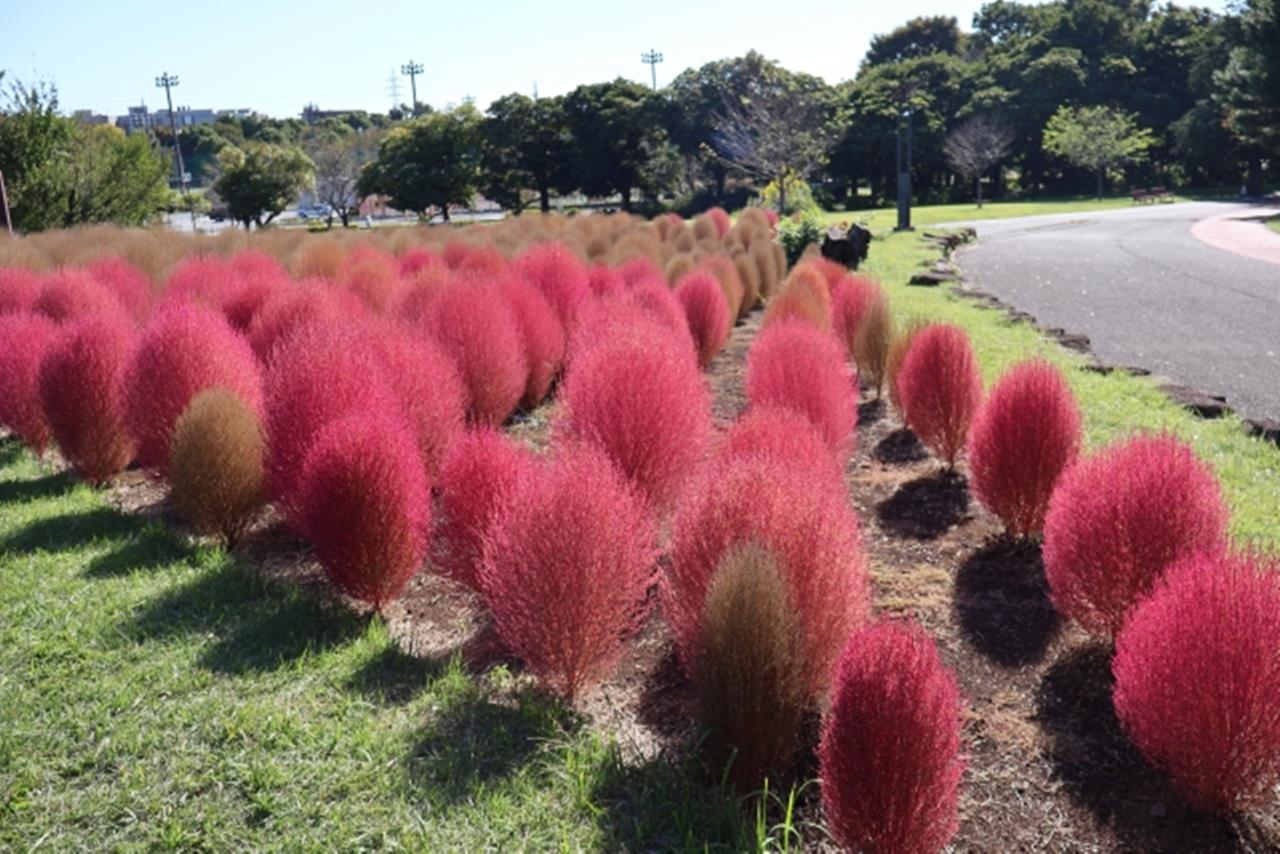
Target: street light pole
904 175
651 59
167 81
413 69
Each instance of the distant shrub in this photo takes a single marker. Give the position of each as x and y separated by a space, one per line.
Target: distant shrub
804 520
851 299
804 295
782 435
567 566
720 218
184 350
748 669
19 289
561 276
477 325
24 340
71 294
1023 438
873 343
645 405
82 393
1197 677
797 232
320 258
429 388
889 759
544 339
129 285
794 366
216 464
366 505
730 284
479 472
749 275
941 389
1119 518
638 270
761 252
707 313
678 266
242 302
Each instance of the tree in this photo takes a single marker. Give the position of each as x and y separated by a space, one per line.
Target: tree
259 180
432 161
1250 84
527 147
616 131
976 145
339 159
1096 138
916 38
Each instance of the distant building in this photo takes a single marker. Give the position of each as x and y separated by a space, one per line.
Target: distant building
142 119
89 117
312 114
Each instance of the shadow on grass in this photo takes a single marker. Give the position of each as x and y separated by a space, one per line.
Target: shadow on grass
393 677
1102 769
151 547
925 508
258 625
71 531
1002 602
48 486
900 447
10 450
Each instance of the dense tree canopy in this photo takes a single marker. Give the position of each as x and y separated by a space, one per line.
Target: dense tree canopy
427 163
259 180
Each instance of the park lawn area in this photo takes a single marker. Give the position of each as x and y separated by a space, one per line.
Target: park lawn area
932 214
1274 224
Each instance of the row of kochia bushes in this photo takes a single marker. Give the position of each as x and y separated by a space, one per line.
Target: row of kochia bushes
366 405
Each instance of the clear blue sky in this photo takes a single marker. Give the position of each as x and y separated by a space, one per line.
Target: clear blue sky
274 56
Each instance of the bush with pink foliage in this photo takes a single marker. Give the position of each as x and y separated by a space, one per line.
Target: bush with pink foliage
661 303
851 298
604 281
1023 438
1118 519
567 568
781 435
890 758
940 388
795 366
19 289
638 270
82 391
429 388
24 340
71 294
543 337
804 519
127 283
560 274
707 313
366 505
184 350
720 217
294 306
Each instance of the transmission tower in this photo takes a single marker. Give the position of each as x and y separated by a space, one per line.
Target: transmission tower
393 89
651 59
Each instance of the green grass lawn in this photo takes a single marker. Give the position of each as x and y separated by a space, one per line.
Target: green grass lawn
1274 224
931 214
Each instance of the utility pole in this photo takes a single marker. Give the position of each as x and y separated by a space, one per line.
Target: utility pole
413 69
167 81
4 207
651 59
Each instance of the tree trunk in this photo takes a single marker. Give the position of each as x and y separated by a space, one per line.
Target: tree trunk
544 198
626 199
345 216
1099 185
782 195
978 181
444 212
1253 179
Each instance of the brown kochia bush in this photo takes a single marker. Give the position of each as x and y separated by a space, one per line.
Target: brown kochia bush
898 348
216 464
748 669
872 341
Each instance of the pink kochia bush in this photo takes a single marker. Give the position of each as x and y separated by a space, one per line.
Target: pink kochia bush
82 391
429 388
478 473
1118 519
707 312
804 519
24 339
889 758
555 270
940 388
645 405
786 437
1023 438
19 288
70 293
366 505
851 298
1198 677
184 350
130 285
795 366
475 324
567 567
543 336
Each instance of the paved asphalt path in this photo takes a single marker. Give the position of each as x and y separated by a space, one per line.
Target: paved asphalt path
1147 294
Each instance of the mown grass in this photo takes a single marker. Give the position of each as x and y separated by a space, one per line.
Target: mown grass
1274 224
931 214
1114 405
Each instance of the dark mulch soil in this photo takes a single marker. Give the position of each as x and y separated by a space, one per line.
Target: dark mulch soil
1049 768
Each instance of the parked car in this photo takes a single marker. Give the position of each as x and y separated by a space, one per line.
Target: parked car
320 211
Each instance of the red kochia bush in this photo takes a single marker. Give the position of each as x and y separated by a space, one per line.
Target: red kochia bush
130 285
638 270
1197 677
940 388
661 303
786 437
69 294
366 505
479 472
82 391
889 759
429 389
720 217
567 567
560 275
204 279
477 326
645 404
24 339
184 350
851 299
1118 519
707 312
291 307
1022 439
19 288
543 336
794 366
804 520
604 281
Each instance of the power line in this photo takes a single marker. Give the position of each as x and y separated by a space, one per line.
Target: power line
651 59
413 69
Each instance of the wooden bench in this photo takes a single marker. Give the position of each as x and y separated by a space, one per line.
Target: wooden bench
1140 195
1161 194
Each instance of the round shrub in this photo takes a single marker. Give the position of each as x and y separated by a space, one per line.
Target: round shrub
567 567
604 281
1119 518
129 285
476 325
366 505
69 294
726 275
889 758
638 270
851 300
203 279
19 289
793 366
873 341
661 303
372 276
543 336
748 668
804 520
184 350
478 474
806 295
244 301
1197 677
781 435
293 307
940 388
561 276
899 345
82 392
645 405
430 391
216 464
24 340
1023 438
706 312
720 218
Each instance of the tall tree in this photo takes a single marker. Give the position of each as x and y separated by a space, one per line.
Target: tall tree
432 161
616 131
976 145
339 159
1250 83
1097 139
260 180
527 147
916 38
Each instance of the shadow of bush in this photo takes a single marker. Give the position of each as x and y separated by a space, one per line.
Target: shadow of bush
393 677
925 508
899 447
47 486
1002 603
150 548
70 531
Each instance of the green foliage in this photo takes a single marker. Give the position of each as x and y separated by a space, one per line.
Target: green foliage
1250 83
432 161
616 132
527 149
797 232
259 180
916 38
1096 138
